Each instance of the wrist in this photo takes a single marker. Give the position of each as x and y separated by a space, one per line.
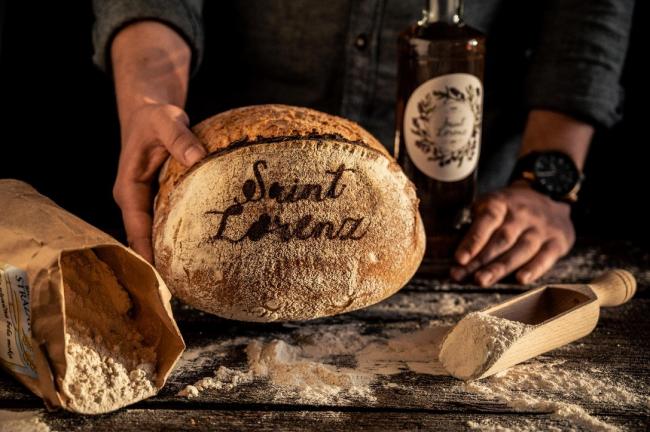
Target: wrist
554 131
139 103
521 185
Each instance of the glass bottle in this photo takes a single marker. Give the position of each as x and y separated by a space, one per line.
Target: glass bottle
438 122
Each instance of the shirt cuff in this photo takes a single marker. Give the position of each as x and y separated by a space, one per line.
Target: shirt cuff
111 16
577 65
587 93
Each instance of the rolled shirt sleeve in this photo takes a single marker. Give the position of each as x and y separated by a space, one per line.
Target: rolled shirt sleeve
184 16
576 68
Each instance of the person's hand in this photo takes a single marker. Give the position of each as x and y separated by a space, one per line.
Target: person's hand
518 229
515 229
151 71
153 132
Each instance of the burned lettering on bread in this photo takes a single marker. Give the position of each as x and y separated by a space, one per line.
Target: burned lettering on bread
305 227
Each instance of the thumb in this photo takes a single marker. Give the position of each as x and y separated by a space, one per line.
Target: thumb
180 142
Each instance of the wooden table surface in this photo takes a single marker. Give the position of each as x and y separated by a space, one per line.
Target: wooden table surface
621 343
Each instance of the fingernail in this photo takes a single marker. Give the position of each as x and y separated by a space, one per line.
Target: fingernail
194 154
463 257
484 277
458 273
524 277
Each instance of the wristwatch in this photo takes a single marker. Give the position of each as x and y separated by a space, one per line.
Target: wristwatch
552 173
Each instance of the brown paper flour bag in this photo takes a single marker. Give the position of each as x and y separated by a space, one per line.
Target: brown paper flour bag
85 323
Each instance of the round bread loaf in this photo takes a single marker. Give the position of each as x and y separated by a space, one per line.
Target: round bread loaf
295 214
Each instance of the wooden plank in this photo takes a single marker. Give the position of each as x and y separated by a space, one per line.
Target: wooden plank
608 347
619 344
206 419
611 346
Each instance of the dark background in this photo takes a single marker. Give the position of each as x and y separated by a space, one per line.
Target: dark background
59 130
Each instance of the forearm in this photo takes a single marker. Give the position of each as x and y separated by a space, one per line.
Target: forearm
549 130
151 65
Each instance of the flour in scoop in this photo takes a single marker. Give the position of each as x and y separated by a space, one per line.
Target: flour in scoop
477 342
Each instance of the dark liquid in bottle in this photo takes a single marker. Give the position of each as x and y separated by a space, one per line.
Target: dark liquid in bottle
425 52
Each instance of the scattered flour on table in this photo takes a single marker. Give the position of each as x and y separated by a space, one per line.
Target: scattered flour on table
302 370
450 304
197 357
324 341
224 379
22 421
99 379
581 266
300 367
577 266
315 381
521 388
415 351
477 342
442 305
518 425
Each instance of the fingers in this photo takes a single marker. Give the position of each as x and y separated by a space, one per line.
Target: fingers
549 253
516 227
152 133
177 138
525 248
489 215
134 199
133 194
502 239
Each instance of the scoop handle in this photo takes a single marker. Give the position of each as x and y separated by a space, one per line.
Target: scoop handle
614 287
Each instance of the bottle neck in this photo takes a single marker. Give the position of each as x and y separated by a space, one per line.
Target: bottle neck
447 11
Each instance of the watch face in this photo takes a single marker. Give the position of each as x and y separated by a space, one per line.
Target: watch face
556 173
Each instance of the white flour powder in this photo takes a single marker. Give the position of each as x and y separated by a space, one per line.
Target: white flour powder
315 381
22 421
441 305
520 425
108 363
302 369
477 342
415 351
99 379
522 386
224 379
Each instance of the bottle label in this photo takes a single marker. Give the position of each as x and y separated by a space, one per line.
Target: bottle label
15 324
442 126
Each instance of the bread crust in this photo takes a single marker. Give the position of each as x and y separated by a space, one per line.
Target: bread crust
231 238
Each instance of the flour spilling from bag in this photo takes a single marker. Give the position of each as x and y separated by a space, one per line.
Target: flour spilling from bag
86 324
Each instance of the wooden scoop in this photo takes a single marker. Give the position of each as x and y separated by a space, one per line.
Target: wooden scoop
560 314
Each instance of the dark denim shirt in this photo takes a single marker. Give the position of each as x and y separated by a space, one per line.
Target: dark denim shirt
339 56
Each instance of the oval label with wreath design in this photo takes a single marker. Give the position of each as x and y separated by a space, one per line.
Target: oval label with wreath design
442 126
